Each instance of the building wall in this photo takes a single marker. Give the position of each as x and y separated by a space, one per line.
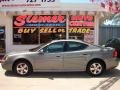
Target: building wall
108 32
6 20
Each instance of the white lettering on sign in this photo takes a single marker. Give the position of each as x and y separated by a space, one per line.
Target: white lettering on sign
28 3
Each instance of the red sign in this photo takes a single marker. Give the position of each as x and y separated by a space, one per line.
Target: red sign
39 20
82 18
81 23
28 24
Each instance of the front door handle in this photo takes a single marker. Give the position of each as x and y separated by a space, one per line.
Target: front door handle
57 56
84 54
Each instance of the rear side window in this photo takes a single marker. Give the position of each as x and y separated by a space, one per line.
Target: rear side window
75 46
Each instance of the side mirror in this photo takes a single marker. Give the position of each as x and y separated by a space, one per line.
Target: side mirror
41 51
103 45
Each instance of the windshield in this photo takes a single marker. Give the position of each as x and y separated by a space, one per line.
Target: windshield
36 48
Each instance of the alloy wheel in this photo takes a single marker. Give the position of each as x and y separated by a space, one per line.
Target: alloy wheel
96 68
22 68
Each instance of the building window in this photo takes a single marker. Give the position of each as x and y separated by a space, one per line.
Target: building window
35 29
2 39
52 34
81 27
25 36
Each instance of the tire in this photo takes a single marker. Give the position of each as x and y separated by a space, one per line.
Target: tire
95 68
22 68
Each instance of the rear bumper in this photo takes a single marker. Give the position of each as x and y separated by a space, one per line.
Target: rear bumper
112 63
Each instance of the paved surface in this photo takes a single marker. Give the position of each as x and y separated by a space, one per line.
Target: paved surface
60 81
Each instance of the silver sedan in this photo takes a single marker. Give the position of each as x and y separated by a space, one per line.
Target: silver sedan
62 56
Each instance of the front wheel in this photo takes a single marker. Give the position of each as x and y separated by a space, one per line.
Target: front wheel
95 68
22 68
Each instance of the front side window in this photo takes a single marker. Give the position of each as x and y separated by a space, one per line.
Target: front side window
54 47
74 46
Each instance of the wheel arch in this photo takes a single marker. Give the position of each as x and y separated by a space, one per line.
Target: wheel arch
21 59
97 59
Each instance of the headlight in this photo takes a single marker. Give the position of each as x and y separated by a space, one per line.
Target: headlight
4 58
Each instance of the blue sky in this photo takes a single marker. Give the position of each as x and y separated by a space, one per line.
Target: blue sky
75 1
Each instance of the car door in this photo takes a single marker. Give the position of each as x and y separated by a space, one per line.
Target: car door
52 57
75 56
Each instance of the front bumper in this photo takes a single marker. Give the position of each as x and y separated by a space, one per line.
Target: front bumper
1 59
7 65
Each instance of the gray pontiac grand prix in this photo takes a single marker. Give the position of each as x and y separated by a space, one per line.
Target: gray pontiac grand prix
62 56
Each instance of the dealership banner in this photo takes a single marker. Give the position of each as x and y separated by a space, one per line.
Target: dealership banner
28 24
81 23
28 3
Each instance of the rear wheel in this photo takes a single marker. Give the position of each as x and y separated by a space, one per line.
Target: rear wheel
95 68
22 68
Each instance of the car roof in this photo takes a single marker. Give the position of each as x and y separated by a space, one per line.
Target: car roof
70 40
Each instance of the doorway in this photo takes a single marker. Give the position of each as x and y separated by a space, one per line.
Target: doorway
2 40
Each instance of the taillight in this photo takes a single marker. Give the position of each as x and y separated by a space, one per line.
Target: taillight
115 53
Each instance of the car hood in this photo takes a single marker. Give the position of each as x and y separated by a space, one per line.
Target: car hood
19 53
